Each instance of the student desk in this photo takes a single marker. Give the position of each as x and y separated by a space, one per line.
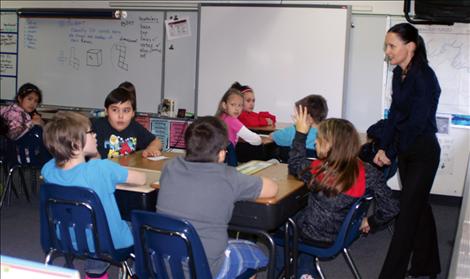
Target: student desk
263 213
246 152
271 128
259 216
142 197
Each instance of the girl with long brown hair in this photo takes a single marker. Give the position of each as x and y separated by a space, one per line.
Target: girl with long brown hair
336 180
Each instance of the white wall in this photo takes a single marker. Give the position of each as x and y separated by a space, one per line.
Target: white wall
363 96
392 7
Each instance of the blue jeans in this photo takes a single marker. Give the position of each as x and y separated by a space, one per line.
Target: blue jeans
241 255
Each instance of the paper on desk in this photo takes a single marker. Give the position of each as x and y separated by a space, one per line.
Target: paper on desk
157 158
254 166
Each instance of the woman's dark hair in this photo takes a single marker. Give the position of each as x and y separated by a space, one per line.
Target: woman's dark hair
205 138
27 89
119 95
408 33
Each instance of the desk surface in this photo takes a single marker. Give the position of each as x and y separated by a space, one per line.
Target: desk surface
151 168
135 160
271 128
278 172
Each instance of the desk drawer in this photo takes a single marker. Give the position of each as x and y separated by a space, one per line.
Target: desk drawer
129 200
268 217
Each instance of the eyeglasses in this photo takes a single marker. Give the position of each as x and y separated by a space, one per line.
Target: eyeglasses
91 131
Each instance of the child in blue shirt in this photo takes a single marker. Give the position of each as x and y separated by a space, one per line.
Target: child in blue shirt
69 138
317 109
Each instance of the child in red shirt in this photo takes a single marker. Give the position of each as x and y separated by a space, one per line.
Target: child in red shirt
248 117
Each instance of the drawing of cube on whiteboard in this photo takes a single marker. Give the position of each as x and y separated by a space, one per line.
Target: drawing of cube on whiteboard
94 57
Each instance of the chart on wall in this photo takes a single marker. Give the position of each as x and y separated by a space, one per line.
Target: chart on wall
77 62
8 54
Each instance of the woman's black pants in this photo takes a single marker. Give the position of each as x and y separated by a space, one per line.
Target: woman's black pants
415 233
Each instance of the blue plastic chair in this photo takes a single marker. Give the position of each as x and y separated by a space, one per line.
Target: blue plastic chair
31 153
10 165
74 225
168 247
348 233
231 157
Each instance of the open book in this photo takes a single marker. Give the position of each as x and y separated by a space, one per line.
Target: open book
255 166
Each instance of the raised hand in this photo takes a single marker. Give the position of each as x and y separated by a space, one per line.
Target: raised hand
301 120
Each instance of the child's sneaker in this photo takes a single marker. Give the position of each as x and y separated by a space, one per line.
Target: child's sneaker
306 276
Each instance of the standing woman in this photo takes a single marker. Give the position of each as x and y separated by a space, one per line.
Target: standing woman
410 134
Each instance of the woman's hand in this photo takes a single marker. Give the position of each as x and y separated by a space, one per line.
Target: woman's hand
381 158
365 227
301 120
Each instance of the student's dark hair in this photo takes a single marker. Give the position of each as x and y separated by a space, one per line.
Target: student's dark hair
26 89
65 134
408 33
241 88
129 87
205 138
117 96
316 106
231 91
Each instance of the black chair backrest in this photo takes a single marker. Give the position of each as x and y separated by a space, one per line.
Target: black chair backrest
231 157
30 148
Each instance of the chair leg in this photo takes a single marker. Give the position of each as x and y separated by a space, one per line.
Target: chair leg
23 183
33 174
69 261
124 270
11 172
49 257
317 265
351 263
6 191
390 228
9 187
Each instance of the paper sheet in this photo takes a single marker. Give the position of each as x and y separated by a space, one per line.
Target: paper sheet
157 158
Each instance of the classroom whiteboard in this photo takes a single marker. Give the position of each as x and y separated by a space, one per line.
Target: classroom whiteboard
77 62
180 62
283 52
